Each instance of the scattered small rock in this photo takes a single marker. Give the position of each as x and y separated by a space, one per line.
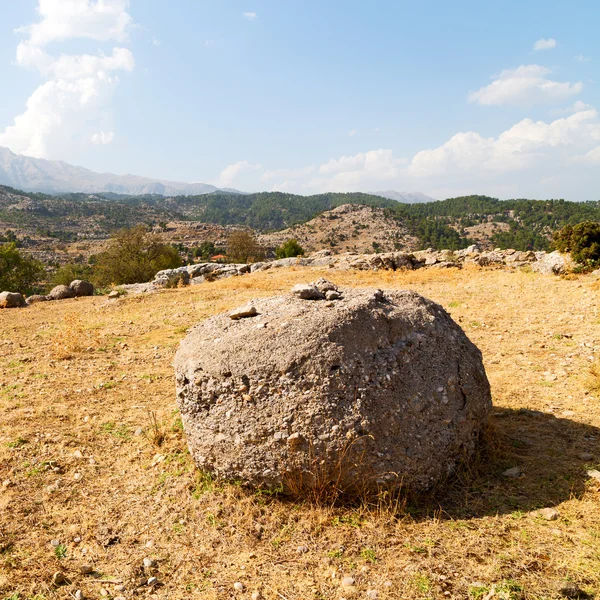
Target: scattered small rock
7 483
301 549
152 581
372 594
114 294
238 586
58 578
120 588
550 514
243 312
86 569
55 543
332 295
103 592
388 583
513 472
149 563
79 595
594 474
348 581
585 456
307 291
256 596
77 476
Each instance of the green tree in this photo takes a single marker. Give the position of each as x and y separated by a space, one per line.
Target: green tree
581 240
243 247
68 273
134 256
289 249
17 272
206 250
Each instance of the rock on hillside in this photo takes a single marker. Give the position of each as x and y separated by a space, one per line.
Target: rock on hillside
347 228
372 388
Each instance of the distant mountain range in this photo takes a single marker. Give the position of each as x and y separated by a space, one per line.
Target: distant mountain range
405 197
56 177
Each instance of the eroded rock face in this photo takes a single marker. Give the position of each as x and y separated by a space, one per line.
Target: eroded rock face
373 388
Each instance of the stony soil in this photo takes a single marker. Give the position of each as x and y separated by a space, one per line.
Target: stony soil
96 475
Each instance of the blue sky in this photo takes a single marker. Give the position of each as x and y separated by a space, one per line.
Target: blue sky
439 97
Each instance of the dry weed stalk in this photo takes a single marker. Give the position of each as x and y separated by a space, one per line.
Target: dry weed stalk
73 338
157 431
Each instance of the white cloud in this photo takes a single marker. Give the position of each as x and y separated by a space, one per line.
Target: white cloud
65 112
545 44
577 106
525 145
102 137
228 174
251 16
531 158
352 133
524 86
582 58
156 41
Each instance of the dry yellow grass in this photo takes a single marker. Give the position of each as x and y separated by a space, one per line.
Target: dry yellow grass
80 377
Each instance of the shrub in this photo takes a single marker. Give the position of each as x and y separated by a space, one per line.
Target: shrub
289 249
582 241
17 272
68 273
134 256
243 247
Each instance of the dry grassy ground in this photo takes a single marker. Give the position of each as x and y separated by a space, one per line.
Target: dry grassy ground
79 378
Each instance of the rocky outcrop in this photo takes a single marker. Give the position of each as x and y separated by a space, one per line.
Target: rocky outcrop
61 292
11 300
372 389
82 288
554 263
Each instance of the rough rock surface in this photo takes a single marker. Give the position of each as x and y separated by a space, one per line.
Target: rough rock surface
82 288
36 298
374 388
61 292
11 300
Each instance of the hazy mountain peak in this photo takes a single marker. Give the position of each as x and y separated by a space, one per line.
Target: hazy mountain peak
405 197
54 176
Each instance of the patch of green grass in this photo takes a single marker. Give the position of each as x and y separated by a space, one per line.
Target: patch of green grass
369 555
60 551
454 304
336 553
478 591
17 443
205 483
120 431
422 582
350 520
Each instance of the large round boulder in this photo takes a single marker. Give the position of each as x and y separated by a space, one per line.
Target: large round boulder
368 389
11 300
61 292
82 288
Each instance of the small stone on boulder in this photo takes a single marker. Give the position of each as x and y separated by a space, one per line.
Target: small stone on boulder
243 312
307 291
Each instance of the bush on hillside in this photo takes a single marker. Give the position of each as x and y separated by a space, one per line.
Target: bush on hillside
17 272
68 273
134 256
582 241
243 247
289 249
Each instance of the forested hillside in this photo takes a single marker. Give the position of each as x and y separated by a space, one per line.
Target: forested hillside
454 223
